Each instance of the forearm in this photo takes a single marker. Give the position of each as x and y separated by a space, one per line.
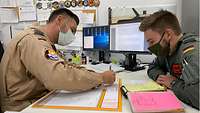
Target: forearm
153 73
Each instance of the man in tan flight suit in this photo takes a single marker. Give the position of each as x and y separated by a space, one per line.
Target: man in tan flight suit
31 67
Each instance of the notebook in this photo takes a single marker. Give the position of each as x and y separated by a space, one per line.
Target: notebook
143 85
142 102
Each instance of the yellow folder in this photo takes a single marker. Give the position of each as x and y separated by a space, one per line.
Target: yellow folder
144 85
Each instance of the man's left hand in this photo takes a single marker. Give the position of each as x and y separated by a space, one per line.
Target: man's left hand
165 80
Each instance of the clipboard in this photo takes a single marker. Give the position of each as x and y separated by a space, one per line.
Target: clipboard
99 107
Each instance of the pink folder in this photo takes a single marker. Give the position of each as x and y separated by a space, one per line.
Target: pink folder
154 102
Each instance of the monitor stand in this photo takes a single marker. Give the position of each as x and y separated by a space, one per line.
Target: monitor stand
104 57
131 64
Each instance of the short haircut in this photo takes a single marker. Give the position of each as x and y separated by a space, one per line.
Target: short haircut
64 12
159 21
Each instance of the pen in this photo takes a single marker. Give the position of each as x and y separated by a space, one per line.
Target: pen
124 91
110 68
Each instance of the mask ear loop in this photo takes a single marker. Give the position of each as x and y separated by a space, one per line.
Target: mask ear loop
161 37
59 29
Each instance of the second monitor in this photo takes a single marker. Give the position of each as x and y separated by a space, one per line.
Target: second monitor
128 39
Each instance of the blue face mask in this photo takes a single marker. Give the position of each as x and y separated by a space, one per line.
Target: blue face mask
158 50
66 38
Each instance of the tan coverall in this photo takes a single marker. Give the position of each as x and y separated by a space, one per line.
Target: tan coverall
28 74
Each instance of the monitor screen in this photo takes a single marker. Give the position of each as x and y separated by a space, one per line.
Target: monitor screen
96 38
127 38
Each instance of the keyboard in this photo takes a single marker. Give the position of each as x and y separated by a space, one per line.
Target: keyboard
103 67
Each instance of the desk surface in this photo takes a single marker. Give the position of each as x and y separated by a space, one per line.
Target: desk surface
139 75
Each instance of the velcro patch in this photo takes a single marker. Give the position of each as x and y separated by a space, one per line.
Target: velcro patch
52 55
177 70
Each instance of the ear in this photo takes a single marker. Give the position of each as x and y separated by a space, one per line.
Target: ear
59 20
170 33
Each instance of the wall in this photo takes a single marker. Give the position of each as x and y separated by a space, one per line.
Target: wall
103 8
103 16
190 16
5 34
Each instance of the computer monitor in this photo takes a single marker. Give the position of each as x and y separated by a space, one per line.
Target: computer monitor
96 38
128 39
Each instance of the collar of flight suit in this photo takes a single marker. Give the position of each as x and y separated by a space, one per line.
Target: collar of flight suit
178 44
41 33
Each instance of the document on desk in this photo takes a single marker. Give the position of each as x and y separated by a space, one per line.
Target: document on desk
99 68
142 85
84 99
107 99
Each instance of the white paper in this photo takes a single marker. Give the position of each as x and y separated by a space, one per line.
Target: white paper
11 112
43 14
27 13
25 3
8 15
111 97
88 42
87 18
103 67
8 3
83 99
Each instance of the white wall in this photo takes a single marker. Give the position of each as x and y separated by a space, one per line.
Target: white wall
190 16
103 8
5 34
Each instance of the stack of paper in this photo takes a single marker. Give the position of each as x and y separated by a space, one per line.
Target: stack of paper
154 102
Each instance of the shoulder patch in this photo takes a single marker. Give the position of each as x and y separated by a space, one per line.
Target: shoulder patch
51 55
187 49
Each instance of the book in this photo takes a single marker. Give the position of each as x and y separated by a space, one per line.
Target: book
143 85
142 102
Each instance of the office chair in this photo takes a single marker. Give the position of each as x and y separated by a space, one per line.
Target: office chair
1 51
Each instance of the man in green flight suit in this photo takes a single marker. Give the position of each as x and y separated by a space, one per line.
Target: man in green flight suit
177 63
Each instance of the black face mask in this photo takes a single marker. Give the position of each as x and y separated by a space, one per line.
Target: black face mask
158 50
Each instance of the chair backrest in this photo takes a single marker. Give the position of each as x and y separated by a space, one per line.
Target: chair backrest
1 54
1 51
